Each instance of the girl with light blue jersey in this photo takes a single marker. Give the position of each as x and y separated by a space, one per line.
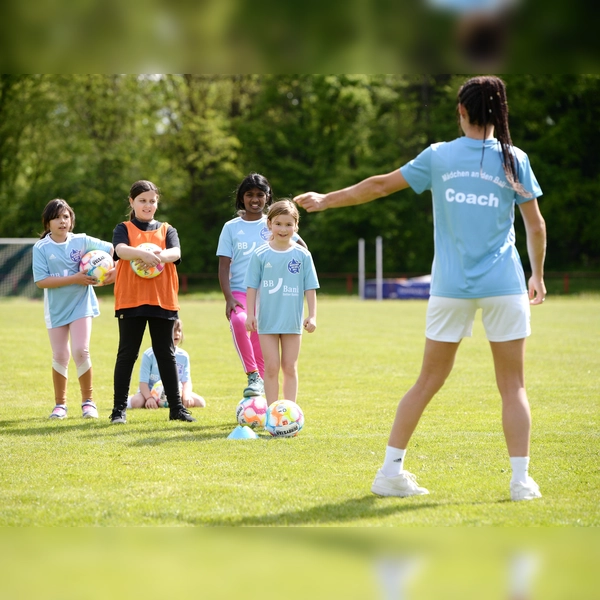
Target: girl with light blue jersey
70 302
146 396
280 275
239 238
475 181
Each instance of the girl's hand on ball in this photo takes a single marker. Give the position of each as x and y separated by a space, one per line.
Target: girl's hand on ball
82 278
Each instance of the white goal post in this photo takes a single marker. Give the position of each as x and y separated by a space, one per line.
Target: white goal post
16 276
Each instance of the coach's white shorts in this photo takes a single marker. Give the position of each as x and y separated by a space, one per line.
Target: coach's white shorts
505 318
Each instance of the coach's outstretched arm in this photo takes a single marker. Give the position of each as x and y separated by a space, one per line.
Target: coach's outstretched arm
365 191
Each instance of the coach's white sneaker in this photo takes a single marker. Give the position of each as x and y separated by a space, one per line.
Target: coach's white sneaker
527 490
401 485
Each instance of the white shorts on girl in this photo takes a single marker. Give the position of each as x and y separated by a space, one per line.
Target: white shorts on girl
505 318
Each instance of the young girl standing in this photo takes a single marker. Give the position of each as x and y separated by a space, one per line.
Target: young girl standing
280 275
238 240
140 301
70 302
150 375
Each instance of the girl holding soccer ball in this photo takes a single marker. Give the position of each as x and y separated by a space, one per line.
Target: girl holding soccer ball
141 301
476 181
238 240
70 302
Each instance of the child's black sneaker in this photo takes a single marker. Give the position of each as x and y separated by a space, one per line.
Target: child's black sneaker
118 415
181 414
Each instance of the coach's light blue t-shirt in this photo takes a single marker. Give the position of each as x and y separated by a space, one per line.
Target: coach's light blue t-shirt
473 210
281 279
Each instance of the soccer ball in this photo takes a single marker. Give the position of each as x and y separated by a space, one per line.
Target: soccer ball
284 419
150 272
96 263
158 393
252 411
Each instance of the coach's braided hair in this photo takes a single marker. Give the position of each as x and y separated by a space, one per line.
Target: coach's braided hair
484 99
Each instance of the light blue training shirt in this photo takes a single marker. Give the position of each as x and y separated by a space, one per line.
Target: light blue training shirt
238 240
281 278
150 374
474 211
66 304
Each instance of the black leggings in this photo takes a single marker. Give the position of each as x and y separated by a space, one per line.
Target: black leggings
131 333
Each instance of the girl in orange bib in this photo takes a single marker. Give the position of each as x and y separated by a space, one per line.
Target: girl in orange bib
152 301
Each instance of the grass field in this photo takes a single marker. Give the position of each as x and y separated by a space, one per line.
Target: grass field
353 370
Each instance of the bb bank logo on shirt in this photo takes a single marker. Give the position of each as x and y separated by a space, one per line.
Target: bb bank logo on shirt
265 234
481 199
275 287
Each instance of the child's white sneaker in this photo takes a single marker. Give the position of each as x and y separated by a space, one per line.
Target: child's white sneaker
89 410
402 485
59 412
527 490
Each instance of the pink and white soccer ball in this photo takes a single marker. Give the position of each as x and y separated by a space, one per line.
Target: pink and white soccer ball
96 263
150 272
284 419
252 411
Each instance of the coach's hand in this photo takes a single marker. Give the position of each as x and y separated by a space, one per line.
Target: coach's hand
311 201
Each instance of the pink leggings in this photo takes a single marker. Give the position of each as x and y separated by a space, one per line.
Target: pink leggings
247 345
80 331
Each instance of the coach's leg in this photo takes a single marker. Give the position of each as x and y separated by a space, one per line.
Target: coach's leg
438 360
509 358
392 479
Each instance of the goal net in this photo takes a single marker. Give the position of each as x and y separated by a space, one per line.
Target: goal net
16 276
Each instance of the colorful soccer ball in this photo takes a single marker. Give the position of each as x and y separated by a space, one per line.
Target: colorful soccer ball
158 393
150 272
284 419
252 411
96 263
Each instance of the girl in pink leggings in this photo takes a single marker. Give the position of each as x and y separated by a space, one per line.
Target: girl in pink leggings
238 240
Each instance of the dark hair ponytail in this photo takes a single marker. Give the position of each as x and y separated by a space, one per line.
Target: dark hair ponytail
484 99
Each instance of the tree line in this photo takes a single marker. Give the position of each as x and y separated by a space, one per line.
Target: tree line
87 138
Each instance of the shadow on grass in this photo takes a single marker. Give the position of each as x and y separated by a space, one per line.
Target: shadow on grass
353 509
101 428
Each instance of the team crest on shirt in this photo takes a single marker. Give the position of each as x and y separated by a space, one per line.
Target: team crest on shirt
75 256
294 266
265 234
